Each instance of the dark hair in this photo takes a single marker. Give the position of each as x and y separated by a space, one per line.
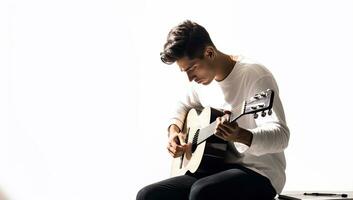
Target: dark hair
187 39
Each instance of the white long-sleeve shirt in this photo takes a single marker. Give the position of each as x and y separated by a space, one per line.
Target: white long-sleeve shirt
270 134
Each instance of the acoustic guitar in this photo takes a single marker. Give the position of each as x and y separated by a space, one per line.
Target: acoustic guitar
207 150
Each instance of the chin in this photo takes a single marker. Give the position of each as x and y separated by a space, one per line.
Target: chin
206 82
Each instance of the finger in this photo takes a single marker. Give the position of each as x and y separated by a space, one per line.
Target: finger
179 152
218 120
226 118
220 136
174 141
223 119
176 148
188 151
180 148
228 114
187 146
229 127
232 123
181 139
171 139
174 151
225 129
174 155
219 133
170 151
172 147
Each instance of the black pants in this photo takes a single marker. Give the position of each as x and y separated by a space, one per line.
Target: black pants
233 182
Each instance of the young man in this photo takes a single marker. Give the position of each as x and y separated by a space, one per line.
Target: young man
254 165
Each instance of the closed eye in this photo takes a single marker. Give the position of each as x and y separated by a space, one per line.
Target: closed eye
190 68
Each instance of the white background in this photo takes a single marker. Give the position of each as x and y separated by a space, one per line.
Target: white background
84 98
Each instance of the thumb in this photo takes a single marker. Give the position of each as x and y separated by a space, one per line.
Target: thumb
181 139
227 115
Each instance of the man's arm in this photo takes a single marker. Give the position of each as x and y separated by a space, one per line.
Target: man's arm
173 128
176 141
176 138
271 134
188 101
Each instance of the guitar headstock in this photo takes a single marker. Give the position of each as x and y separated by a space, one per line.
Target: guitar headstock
259 103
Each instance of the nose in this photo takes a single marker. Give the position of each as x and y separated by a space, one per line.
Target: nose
190 76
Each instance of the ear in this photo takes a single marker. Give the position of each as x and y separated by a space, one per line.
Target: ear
209 52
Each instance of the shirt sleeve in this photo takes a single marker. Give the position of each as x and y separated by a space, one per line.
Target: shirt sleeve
188 101
271 134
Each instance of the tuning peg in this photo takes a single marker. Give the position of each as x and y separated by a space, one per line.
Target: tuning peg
263 94
256 115
269 112
263 114
257 96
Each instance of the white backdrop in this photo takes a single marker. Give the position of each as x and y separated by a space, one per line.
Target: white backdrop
84 97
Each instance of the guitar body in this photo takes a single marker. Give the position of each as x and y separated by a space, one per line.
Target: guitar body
206 156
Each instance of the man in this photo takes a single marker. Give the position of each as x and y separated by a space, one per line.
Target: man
254 165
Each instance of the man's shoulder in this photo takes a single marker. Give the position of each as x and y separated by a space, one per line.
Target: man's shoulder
251 67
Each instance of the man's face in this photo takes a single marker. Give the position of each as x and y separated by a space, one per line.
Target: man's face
199 70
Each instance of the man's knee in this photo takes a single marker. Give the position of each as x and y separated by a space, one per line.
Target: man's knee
145 193
199 190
